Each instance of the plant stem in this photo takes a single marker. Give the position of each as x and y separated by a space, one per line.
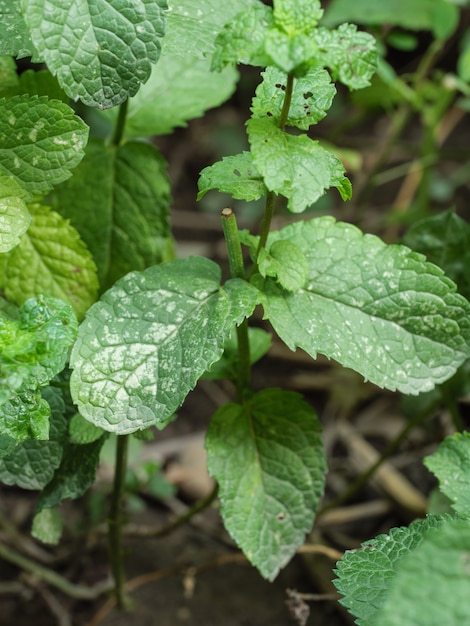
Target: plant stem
120 124
52 578
115 521
237 270
287 101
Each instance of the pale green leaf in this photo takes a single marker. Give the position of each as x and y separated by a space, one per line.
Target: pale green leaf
14 214
41 140
203 20
312 96
82 431
47 526
297 16
431 585
268 459
51 259
235 175
130 186
294 165
101 52
451 465
286 263
445 240
243 38
179 89
32 464
15 40
415 15
145 344
75 475
380 310
365 575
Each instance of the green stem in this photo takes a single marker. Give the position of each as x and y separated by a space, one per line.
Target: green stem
115 521
237 270
120 124
287 101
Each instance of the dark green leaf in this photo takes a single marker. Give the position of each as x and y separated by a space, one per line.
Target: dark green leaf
445 240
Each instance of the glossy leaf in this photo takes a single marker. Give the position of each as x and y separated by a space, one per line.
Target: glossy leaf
41 140
295 165
380 310
130 186
145 344
101 52
268 459
51 259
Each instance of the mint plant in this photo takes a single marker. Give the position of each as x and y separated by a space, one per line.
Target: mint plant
85 225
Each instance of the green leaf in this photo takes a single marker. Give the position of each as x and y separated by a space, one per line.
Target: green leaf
14 214
47 526
82 431
297 16
227 366
41 140
380 310
235 175
451 465
179 89
415 15
51 259
145 344
243 39
431 585
312 96
130 186
445 240
294 165
9 80
75 475
365 575
350 54
286 263
25 416
41 83
100 52
203 20
268 459
34 348
32 464
15 40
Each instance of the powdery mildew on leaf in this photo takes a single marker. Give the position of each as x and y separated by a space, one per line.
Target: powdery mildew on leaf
145 344
380 310
14 214
41 140
100 50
